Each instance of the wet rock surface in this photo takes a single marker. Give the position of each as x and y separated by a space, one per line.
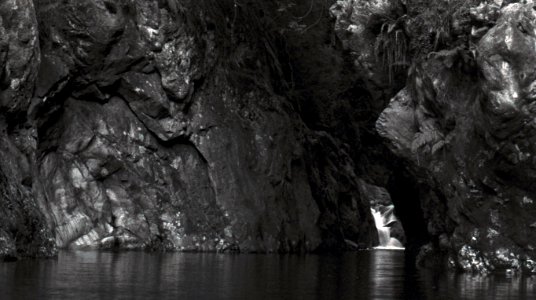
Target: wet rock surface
124 126
463 123
266 127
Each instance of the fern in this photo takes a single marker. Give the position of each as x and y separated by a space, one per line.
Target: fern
426 141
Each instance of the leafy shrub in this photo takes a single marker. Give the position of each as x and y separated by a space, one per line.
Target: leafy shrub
431 24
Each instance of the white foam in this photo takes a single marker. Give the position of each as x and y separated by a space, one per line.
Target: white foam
384 232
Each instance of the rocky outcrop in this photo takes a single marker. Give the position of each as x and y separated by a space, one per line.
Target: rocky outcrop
164 125
464 124
23 228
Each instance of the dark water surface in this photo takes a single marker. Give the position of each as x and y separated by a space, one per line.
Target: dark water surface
378 274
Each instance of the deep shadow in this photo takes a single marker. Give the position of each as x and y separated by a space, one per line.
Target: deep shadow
404 191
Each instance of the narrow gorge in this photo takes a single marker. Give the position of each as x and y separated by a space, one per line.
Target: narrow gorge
270 127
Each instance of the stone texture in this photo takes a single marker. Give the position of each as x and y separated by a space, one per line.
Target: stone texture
132 132
19 54
464 122
173 125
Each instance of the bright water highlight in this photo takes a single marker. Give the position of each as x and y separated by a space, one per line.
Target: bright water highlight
383 220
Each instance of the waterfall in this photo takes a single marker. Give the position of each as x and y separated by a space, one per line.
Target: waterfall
383 222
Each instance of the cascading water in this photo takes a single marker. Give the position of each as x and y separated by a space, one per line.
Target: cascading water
384 219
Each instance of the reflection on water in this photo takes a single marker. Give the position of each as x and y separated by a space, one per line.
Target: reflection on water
377 274
480 287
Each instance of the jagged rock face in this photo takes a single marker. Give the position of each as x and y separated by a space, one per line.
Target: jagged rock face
23 230
19 48
465 122
122 130
166 125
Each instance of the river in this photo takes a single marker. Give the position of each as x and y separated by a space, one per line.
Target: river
377 274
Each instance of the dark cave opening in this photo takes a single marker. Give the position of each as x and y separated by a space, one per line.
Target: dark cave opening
406 197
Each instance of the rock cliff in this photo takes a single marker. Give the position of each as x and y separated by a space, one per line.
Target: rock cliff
269 127
464 124
169 125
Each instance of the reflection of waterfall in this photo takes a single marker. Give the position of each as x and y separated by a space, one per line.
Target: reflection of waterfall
384 219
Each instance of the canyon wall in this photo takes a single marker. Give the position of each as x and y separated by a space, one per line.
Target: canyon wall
167 125
269 127
463 124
